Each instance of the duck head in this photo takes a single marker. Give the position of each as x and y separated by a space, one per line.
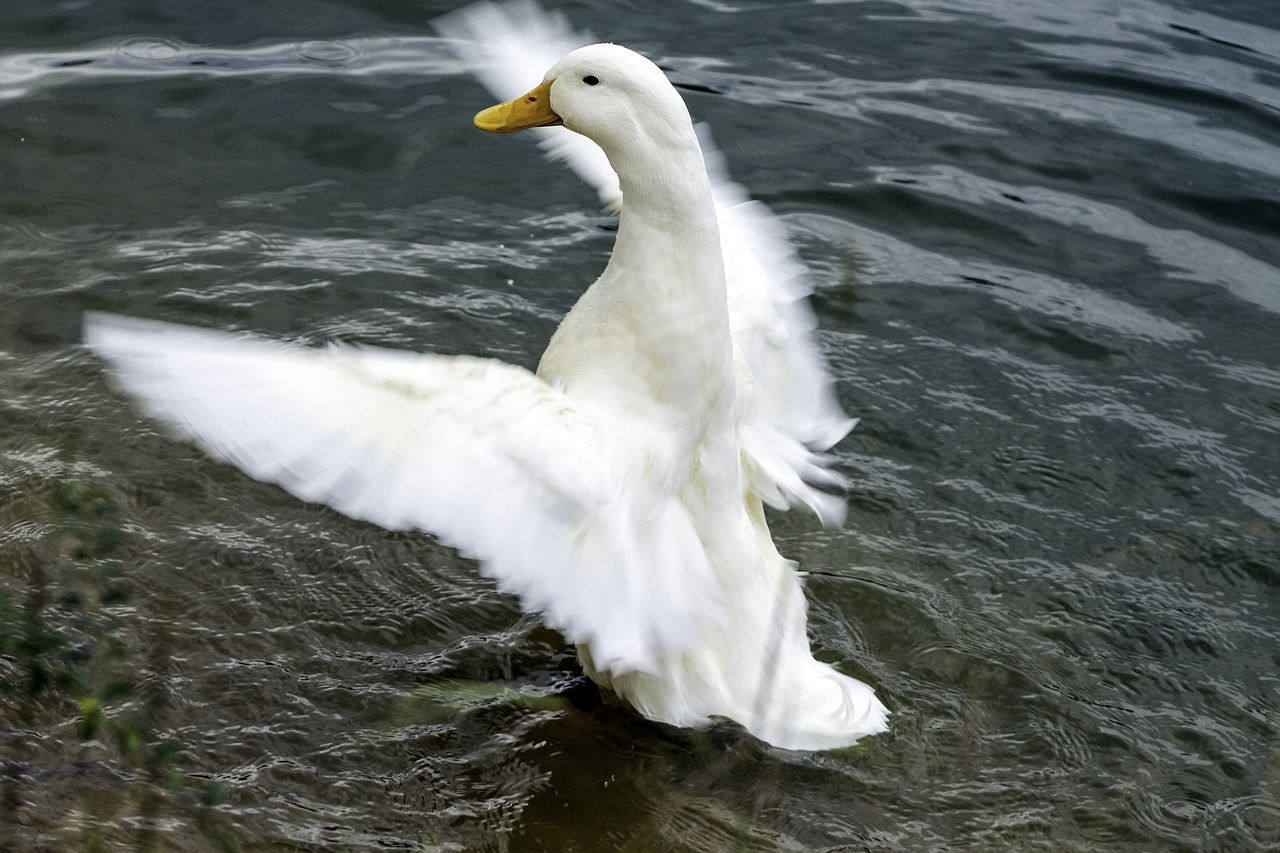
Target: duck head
607 93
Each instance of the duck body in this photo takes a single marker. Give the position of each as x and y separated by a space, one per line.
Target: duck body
657 322
620 491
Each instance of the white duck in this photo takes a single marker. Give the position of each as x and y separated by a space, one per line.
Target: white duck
619 491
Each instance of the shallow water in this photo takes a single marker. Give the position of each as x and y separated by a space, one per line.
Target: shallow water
1045 239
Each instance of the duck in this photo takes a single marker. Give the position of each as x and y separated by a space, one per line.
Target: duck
619 490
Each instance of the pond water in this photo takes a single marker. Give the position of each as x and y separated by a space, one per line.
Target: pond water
1045 244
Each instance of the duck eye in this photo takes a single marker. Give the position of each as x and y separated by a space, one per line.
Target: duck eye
591 79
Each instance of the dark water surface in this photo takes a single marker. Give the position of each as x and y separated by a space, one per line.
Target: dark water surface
1045 238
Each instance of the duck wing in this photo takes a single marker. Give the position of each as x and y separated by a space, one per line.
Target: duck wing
790 414
542 490
508 48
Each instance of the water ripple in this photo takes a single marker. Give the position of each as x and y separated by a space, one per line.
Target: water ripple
1140 22
1164 126
1075 303
154 49
21 73
1042 234
1186 254
332 52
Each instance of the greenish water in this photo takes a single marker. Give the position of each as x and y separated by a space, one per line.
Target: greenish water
1045 239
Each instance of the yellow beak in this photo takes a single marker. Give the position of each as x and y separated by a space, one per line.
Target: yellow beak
532 109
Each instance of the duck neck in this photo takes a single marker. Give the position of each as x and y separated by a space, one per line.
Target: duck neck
656 322
668 184
669 241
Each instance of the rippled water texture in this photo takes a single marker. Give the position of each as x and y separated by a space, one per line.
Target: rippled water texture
1044 238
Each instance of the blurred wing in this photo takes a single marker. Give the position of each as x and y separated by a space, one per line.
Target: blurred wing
509 48
795 415
483 454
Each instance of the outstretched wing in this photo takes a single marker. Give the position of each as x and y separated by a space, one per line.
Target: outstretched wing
483 454
793 414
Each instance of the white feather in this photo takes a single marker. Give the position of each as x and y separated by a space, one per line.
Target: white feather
618 491
484 454
793 412
508 48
